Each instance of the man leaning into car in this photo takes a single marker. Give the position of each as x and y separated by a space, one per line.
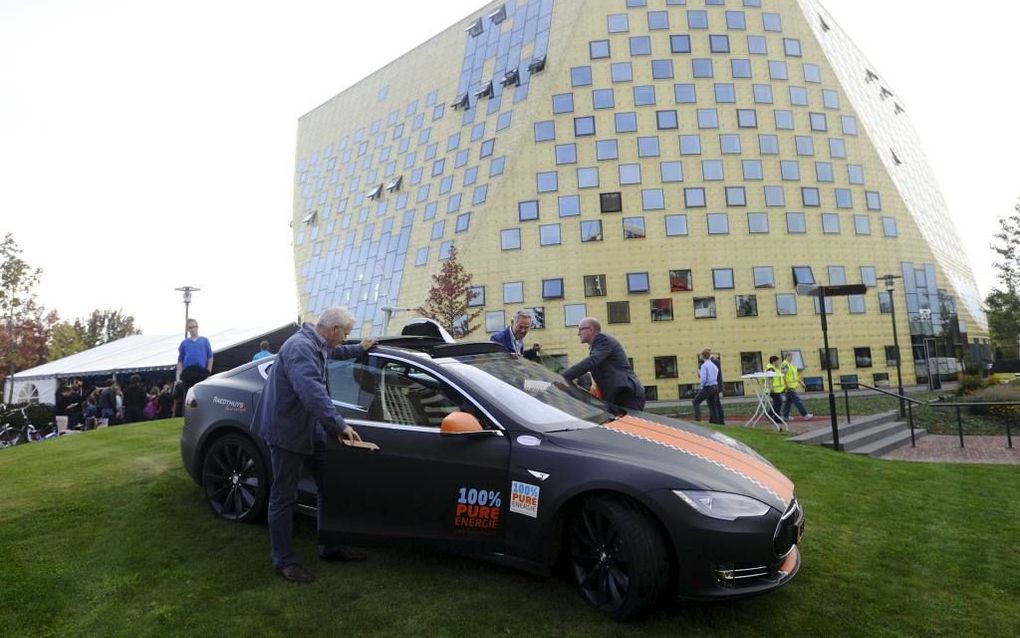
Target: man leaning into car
293 415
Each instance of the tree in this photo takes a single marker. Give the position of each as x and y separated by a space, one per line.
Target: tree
22 320
103 326
449 298
64 341
1002 304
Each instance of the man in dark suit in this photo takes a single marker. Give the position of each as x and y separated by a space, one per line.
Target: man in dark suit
608 365
293 415
512 337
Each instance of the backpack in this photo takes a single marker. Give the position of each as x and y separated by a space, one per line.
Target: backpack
150 408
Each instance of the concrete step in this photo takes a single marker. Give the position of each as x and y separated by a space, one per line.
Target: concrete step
889 443
860 438
857 424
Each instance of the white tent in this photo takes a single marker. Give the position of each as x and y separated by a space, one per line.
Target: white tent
137 353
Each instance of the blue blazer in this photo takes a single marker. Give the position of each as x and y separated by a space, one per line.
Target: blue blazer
505 338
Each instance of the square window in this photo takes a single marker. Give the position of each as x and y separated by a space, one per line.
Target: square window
856 304
676 225
662 69
552 289
763 277
666 119
621 72
618 23
697 19
680 281
704 307
545 130
653 199
775 196
463 222
722 278
783 119
747 305
740 68
479 195
823 171
513 292
735 196
584 126
849 123
729 144
873 200
566 154
768 144
868 276
862 357
844 198
603 99
789 170
757 223
588 177
630 174
665 367
812 73
786 304
818 122
494 321
618 311
606 150
809 196
719 43
718 223
591 230
830 223
626 121
690 145
569 205
694 197
791 47
661 309
777 70
708 118
421 257
750 362
803 275
735 20
486 149
594 285
712 170
610 202
684 94
751 169
837 148
855 173
830 99
637 282
702 67
573 314
837 275
547 182
633 227
805 145
549 235
747 118
580 76
680 43
829 360
644 95
771 22
476 296
510 239
658 20
798 96
889 227
598 49
563 103
640 45
762 93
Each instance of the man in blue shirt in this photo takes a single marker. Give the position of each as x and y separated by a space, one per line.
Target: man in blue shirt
194 358
263 351
709 377
293 415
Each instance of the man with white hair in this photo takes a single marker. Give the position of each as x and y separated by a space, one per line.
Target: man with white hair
294 414
512 337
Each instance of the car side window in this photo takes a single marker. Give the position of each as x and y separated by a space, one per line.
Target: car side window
347 383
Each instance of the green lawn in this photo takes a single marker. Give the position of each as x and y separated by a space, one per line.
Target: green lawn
104 534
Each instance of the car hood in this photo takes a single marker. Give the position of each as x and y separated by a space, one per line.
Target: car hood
685 455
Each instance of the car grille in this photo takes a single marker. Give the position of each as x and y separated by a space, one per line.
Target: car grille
789 530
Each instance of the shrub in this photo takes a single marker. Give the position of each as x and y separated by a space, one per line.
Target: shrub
997 393
971 383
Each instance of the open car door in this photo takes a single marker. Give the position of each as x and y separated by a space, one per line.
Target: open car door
421 484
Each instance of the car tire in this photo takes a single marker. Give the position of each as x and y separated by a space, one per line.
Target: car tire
235 480
618 557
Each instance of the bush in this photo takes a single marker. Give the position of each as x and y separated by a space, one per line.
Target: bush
971 383
997 393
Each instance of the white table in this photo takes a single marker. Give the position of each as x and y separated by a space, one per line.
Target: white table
762 384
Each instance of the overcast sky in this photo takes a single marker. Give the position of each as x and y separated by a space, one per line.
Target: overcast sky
148 145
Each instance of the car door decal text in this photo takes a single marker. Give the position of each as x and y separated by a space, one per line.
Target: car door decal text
477 509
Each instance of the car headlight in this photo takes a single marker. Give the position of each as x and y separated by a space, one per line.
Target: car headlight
722 505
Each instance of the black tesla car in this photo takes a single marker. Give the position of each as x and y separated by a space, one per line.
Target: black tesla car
486 454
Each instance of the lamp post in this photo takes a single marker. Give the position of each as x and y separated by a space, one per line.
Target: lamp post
822 292
187 290
388 312
889 288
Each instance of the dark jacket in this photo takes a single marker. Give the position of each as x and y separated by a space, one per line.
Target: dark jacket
295 397
608 365
505 338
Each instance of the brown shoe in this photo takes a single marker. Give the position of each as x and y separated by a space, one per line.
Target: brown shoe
295 573
347 554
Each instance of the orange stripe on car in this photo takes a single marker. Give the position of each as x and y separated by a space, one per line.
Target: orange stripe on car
747 466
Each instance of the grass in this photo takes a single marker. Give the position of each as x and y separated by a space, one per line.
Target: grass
103 534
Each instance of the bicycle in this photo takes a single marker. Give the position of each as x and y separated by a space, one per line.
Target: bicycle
27 433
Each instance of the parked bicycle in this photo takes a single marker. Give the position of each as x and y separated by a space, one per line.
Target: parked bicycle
11 435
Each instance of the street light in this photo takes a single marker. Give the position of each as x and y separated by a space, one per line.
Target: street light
889 288
187 290
822 292
388 314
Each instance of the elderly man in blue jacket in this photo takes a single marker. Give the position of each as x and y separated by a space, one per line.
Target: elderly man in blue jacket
512 337
294 415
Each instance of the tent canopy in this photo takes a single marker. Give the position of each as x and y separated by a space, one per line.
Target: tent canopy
140 353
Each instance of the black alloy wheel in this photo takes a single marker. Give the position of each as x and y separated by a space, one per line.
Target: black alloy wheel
235 480
618 557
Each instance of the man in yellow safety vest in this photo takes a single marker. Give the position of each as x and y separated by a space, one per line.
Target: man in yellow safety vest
791 377
777 389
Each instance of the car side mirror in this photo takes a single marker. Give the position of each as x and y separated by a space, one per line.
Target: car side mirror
460 423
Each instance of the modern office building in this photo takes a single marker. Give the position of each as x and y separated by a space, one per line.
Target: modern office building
674 168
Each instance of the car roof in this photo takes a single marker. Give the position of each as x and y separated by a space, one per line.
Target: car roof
435 348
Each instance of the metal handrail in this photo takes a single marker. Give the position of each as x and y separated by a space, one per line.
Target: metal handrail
939 402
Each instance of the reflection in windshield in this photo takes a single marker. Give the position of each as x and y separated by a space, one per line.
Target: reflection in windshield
535 394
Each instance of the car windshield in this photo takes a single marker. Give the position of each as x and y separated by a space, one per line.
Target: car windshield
532 393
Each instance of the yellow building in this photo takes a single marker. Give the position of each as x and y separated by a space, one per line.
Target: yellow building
673 168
